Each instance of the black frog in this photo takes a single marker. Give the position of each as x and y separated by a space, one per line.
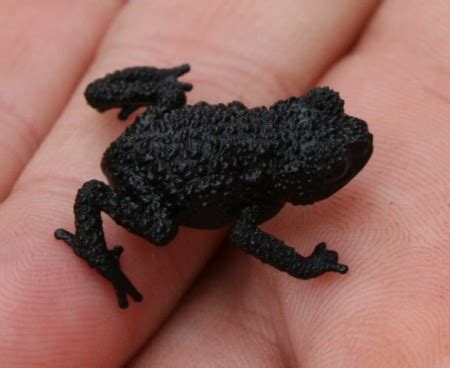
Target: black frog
205 166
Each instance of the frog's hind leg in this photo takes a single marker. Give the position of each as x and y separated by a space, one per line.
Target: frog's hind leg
132 88
150 221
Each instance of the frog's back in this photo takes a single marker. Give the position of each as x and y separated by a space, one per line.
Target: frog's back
189 152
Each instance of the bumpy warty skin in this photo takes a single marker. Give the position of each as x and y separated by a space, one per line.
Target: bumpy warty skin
205 166
207 158
137 87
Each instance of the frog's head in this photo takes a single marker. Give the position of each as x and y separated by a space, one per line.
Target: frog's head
331 147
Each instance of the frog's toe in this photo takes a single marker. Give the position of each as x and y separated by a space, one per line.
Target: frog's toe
179 70
123 288
68 237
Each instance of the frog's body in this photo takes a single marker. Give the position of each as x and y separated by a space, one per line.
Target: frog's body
193 165
205 166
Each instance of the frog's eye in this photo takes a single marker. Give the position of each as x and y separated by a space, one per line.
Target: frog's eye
337 172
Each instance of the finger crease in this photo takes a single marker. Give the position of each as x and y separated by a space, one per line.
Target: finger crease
17 123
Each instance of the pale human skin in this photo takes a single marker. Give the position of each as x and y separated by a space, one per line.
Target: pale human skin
391 224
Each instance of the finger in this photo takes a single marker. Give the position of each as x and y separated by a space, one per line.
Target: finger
228 65
393 311
389 225
362 320
230 318
45 49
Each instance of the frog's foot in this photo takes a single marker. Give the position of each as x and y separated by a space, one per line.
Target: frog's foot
108 265
323 260
112 271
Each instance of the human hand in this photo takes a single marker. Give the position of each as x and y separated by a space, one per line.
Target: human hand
389 62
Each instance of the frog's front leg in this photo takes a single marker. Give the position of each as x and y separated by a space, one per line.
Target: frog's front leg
247 236
150 220
132 88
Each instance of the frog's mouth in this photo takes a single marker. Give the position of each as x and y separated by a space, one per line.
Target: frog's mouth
358 154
